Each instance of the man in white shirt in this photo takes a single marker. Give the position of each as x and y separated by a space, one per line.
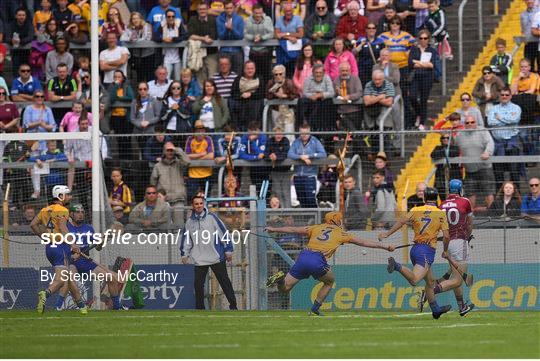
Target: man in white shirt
158 86
113 58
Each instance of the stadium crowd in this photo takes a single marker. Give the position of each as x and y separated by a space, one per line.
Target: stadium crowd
343 62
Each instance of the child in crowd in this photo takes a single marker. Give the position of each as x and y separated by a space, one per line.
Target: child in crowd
501 63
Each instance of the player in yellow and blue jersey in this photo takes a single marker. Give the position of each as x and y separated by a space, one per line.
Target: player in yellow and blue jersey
324 240
427 221
52 220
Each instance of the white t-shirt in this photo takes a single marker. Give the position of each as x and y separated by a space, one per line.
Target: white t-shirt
171 125
156 90
111 55
207 115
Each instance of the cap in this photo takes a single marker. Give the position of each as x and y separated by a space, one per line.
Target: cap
199 124
381 155
487 69
117 208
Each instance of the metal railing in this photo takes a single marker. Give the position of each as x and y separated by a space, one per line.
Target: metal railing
460 29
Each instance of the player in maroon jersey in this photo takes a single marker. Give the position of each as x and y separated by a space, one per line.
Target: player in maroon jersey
459 214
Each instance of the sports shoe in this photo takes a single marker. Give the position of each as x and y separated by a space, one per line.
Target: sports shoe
466 309
272 280
83 310
422 301
42 298
391 265
442 310
315 313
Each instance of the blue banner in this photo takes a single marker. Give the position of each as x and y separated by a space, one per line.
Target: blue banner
163 287
370 287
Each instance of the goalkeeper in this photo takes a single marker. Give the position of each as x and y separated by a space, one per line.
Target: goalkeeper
324 240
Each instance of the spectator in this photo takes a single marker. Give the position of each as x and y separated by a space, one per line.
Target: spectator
247 93
486 90
524 89
3 52
381 164
158 86
199 147
82 15
435 23
304 67
368 50
23 87
70 122
17 151
42 15
252 148
502 62
84 94
171 30
168 174
348 91
422 60
327 179
9 115
383 202
144 114
152 213
61 88
157 14
207 255
352 25
340 7
316 104
378 96
406 11
338 55
38 118
289 30
113 24
190 87
230 26
121 195
140 31
530 24
281 88
390 70
211 109
417 199
479 179
446 171
306 147
376 10
19 33
507 202
259 28
27 216
422 13
276 151
176 110
120 216
321 25
113 58
505 114
62 14
223 145
74 35
224 79
383 25
153 149
58 56
203 28
299 8
356 212
530 205
55 175
121 91
467 110
2 30
245 8
50 34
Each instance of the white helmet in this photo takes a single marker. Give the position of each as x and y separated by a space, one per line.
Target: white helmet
60 190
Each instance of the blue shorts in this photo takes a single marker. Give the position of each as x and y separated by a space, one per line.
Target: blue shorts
422 254
84 265
59 254
309 263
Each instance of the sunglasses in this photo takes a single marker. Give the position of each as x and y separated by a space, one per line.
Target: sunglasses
371 28
25 70
278 74
170 16
445 138
151 192
395 23
321 8
143 88
487 72
505 95
465 99
175 88
2 93
470 122
423 38
534 185
39 96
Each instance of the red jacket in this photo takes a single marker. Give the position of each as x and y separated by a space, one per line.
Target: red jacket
347 25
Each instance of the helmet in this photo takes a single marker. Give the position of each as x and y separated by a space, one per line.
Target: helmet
60 190
77 207
430 195
334 218
455 186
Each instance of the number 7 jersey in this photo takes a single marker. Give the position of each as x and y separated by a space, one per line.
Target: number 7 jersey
427 221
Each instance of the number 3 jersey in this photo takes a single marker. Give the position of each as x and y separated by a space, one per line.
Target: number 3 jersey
457 210
326 238
427 221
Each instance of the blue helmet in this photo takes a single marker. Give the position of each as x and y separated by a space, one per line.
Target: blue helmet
455 186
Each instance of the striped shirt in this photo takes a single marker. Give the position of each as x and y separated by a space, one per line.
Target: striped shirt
399 46
386 88
224 84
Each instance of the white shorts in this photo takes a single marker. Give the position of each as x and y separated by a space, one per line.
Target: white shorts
459 250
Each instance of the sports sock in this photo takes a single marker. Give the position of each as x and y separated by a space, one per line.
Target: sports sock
60 301
48 293
446 276
80 304
434 306
316 306
437 289
397 266
460 302
116 302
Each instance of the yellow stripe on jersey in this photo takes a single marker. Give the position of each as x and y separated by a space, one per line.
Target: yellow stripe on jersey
326 238
427 221
51 215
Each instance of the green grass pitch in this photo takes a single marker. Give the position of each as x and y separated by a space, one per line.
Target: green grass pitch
271 334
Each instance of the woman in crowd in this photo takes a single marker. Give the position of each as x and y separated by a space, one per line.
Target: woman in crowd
304 67
136 31
9 115
247 95
368 50
422 60
70 121
279 87
468 110
59 55
145 113
74 35
339 54
375 9
38 118
50 33
121 195
176 110
120 123
113 24
190 86
486 90
211 108
445 172
507 202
